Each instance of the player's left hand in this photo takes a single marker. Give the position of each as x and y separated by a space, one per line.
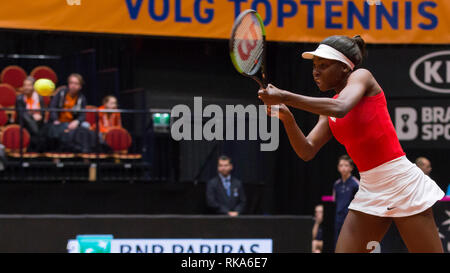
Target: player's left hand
271 95
280 111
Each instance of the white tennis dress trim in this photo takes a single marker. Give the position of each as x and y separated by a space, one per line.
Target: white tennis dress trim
397 188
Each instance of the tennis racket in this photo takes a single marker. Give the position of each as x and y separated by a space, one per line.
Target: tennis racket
248 46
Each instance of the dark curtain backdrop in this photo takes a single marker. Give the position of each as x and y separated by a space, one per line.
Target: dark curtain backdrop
171 71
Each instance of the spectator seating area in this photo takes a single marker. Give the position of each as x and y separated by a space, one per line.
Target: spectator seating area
16 140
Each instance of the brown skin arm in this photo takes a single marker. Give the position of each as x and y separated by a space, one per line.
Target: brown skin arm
307 147
358 83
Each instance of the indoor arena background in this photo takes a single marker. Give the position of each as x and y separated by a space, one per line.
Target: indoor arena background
46 202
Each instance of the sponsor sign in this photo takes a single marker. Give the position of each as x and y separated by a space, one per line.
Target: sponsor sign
378 21
421 123
107 244
411 72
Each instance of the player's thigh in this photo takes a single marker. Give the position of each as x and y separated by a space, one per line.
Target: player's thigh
419 232
359 229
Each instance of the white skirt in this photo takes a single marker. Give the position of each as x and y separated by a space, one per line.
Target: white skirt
397 188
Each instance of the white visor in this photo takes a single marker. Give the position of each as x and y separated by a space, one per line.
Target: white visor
327 52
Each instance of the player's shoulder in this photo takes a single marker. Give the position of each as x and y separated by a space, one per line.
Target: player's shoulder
337 182
361 75
362 72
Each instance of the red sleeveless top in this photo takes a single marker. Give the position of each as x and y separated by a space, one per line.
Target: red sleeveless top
367 133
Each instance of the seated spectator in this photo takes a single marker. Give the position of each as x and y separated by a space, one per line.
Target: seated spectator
64 126
33 119
224 193
108 120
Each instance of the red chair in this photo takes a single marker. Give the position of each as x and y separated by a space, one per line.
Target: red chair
3 117
7 95
90 116
14 75
47 100
44 72
11 139
120 140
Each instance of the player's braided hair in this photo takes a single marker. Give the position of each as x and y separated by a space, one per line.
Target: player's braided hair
353 48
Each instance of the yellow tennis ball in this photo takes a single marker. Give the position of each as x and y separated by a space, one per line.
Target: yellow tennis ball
44 87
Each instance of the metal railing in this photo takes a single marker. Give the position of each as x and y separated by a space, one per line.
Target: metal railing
20 119
136 121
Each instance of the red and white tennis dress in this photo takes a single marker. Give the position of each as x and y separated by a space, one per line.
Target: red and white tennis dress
390 186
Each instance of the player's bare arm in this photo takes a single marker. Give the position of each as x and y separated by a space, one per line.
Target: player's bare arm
358 84
306 147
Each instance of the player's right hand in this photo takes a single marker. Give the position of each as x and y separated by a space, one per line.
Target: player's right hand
271 95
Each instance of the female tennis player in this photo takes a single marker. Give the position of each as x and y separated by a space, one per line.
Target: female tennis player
391 188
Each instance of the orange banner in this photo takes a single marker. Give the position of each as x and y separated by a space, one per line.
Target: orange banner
378 21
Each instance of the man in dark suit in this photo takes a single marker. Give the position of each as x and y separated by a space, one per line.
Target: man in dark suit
224 193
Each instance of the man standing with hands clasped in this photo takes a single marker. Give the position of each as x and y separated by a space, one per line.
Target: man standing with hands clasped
224 193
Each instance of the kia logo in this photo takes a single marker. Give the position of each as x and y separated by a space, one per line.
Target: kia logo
436 72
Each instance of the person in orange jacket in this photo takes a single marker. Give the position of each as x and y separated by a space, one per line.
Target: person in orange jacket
108 120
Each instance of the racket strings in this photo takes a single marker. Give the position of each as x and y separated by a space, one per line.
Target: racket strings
252 61
250 65
250 40
245 35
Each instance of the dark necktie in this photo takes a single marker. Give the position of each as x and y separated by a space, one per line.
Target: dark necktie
227 186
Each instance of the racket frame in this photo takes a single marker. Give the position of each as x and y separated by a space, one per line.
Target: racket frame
262 62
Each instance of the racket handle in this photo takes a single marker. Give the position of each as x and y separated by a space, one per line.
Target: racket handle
264 79
261 84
